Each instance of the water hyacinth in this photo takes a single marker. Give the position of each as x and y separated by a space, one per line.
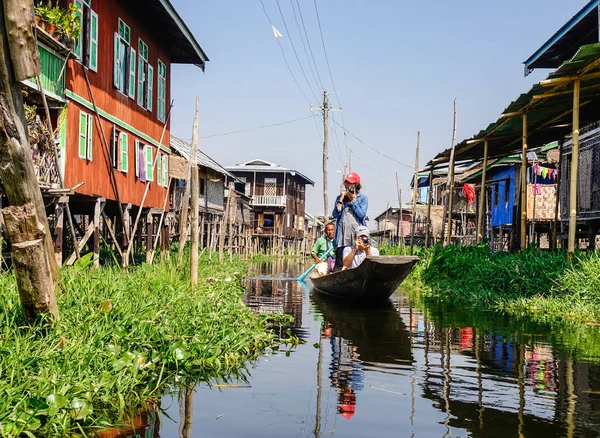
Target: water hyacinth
124 337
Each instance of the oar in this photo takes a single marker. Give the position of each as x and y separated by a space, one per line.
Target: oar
323 257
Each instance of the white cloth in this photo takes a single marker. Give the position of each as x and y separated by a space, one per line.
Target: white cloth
359 257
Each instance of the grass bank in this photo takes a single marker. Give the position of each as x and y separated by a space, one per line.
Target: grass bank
123 339
548 286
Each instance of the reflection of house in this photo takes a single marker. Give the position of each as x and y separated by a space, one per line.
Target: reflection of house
212 189
278 197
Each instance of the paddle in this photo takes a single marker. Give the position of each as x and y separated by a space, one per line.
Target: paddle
323 257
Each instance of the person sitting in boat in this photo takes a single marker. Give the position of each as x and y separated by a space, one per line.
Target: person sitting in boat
322 247
355 255
350 211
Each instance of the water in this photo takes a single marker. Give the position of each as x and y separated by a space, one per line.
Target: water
398 371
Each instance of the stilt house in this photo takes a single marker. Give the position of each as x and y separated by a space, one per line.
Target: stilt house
108 95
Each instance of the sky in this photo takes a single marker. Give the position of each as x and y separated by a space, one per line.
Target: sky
396 65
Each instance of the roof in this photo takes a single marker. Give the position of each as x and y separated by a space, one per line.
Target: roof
580 30
259 165
549 107
406 208
184 149
169 28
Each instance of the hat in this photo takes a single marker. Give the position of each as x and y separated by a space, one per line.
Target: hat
362 231
353 178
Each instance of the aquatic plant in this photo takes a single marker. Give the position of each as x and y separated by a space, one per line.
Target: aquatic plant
123 339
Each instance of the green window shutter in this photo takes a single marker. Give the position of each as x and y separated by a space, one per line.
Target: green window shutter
124 152
162 91
150 88
149 167
117 62
166 170
141 80
137 158
83 119
93 50
159 170
132 61
90 126
78 16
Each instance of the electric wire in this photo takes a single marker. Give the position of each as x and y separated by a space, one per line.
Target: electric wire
257 128
312 70
294 50
309 45
373 149
284 57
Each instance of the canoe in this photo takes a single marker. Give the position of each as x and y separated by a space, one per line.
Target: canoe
373 281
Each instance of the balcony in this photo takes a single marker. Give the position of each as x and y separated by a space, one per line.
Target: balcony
268 201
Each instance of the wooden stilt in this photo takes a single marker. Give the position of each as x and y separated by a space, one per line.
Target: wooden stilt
429 228
97 210
451 179
415 191
574 170
58 233
195 199
523 227
482 192
224 227
149 235
89 231
554 243
112 232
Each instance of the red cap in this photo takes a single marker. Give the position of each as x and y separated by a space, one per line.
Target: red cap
353 178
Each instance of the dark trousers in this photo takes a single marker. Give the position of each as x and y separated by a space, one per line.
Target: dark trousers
339 259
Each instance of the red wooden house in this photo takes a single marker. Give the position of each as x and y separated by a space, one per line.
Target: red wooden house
109 98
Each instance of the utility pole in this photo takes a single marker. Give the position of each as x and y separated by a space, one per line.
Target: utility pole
349 159
325 110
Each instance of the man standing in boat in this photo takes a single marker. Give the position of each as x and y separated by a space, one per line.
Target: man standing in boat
322 246
353 257
350 211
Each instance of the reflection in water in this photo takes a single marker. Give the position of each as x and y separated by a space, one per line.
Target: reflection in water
399 371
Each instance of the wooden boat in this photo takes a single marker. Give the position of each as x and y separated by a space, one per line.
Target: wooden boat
374 280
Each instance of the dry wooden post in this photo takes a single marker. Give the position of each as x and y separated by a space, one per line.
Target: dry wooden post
58 233
429 228
574 170
224 227
451 178
231 220
523 233
415 191
325 150
159 229
97 210
195 195
554 244
482 192
149 236
31 261
399 224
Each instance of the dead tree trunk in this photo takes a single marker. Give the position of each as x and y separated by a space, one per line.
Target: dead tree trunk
19 60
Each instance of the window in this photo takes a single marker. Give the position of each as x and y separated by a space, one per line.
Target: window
165 169
269 220
495 194
85 136
145 77
202 186
161 99
506 191
149 164
119 151
124 61
140 161
124 141
86 47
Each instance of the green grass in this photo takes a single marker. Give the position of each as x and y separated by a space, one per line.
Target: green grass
548 286
123 339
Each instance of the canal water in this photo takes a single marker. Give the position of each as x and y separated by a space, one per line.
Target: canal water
400 370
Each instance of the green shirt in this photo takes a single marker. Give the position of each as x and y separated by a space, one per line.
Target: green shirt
322 245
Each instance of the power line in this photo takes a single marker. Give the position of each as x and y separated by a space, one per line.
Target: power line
309 46
284 57
373 149
257 128
312 70
326 57
294 49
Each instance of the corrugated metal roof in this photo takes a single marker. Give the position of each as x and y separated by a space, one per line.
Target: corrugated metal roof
184 148
259 165
549 118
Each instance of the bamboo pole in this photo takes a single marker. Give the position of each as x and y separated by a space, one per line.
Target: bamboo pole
557 206
429 228
160 222
415 191
451 178
224 227
137 219
574 169
195 195
399 227
482 192
523 231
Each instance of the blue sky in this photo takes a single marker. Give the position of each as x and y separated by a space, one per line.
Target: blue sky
397 66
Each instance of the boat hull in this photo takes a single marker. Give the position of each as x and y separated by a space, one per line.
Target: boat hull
374 280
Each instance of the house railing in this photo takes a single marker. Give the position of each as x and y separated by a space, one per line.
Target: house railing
268 201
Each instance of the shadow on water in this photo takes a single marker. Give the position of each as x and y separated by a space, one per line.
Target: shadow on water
399 370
